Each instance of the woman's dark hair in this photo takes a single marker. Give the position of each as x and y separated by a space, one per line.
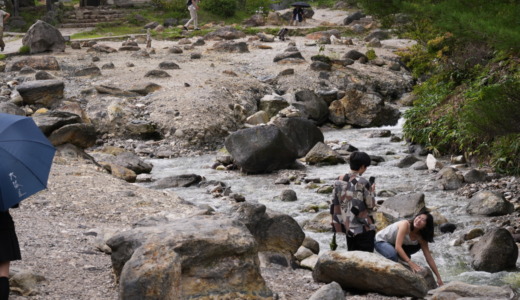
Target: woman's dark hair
427 231
358 159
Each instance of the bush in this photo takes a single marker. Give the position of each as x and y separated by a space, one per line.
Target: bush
371 54
506 154
223 8
24 50
490 113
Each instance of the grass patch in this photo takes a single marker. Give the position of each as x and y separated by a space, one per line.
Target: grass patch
105 30
3 56
24 50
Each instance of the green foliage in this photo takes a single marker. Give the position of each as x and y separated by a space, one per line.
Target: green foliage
333 245
323 3
488 113
3 56
506 154
477 116
252 6
371 54
492 22
254 30
429 122
223 8
105 29
24 50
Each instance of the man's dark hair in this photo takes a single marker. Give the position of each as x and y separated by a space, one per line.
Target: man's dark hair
358 159
427 232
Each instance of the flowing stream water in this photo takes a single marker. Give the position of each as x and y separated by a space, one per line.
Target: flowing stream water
453 261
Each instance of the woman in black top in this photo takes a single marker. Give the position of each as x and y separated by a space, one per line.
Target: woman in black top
9 251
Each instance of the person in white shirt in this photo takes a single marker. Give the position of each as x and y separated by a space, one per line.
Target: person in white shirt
193 6
404 238
4 16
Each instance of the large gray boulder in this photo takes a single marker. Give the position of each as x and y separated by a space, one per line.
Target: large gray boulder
302 133
322 154
184 180
261 149
11 108
272 104
46 93
331 291
125 159
462 290
52 120
49 63
488 203
402 206
495 251
225 33
231 47
450 178
369 272
273 231
312 105
79 134
193 258
362 110
42 37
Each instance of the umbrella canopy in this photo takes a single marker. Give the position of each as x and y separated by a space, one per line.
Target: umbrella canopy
302 4
25 159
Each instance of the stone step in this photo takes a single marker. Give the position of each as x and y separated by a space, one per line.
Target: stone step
95 15
91 16
77 25
91 20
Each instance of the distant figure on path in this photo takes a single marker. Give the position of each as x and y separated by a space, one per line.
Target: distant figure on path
193 6
404 238
4 16
353 203
282 33
9 251
297 15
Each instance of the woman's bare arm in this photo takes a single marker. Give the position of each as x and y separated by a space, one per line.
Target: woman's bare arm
429 259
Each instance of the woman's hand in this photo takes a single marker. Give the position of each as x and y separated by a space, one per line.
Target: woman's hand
439 282
415 267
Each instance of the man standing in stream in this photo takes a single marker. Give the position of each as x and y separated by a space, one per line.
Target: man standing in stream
352 205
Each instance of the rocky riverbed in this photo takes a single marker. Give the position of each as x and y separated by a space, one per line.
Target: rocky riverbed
63 230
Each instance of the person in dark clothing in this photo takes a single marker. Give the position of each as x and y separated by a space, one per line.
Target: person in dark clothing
297 15
353 203
9 251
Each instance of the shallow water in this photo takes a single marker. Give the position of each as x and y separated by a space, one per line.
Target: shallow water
452 261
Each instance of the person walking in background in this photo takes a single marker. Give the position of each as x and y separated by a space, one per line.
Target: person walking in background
4 16
193 6
352 205
9 251
404 238
297 17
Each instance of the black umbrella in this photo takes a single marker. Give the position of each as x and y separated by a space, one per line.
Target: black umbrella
302 4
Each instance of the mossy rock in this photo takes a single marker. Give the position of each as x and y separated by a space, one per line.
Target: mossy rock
322 58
